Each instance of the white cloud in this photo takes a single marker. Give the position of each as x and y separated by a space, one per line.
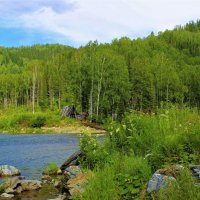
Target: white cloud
107 19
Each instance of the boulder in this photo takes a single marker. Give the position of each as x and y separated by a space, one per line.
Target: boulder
5 195
16 185
72 171
30 185
159 181
12 184
6 170
195 170
76 185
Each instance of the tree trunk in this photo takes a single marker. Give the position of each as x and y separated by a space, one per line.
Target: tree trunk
91 100
33 92
99 88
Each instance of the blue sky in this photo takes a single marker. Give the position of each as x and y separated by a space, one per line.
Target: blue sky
75 22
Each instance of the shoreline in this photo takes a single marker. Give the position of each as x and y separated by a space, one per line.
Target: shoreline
53 130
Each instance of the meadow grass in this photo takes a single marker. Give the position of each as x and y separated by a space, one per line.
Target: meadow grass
136 147
21 120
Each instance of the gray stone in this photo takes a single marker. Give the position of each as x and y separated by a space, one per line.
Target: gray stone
195 170
72 171
5 195
158 181
6 170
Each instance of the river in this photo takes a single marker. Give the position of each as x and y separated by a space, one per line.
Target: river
30 153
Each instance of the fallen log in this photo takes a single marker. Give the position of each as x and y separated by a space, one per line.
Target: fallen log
72 160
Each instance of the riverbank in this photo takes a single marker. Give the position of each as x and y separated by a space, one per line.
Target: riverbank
21 121
69 129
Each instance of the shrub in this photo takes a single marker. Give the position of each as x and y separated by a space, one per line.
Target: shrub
96 153
38 122
51 169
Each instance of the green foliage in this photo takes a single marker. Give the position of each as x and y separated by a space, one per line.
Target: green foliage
38 122
120 178
95 152
172 136
133 174
22 120
51 169
138 146
3 185
105 80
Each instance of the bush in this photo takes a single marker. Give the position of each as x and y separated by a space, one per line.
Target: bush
51 169
38 122
96 153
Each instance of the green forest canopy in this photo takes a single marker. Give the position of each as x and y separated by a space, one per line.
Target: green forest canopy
105 79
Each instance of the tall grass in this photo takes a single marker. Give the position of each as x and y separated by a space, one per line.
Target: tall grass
136 147
14 120
122 177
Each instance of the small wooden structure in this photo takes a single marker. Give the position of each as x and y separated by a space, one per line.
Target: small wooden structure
69 111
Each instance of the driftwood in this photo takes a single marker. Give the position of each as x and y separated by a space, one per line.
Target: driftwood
72 160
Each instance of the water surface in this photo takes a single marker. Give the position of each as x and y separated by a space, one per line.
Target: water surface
30 153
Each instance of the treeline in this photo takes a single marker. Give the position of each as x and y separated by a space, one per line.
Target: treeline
105 79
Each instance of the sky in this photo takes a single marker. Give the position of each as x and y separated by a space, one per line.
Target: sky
76 22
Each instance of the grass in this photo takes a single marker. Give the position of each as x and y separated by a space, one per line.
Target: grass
184 189
51 169
21 120
138 146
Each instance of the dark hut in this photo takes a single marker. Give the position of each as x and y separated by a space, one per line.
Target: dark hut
69 111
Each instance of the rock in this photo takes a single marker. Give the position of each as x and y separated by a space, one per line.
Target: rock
72 171
30 185
46 178
6 170
9 191
57 184
18 190
5 195
12 183
21 177
158 181
195 170
76 185
16 186
59 172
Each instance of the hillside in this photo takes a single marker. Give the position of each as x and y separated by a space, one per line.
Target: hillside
105 79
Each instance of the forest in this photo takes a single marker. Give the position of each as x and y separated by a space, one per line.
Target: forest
145 92
105 80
